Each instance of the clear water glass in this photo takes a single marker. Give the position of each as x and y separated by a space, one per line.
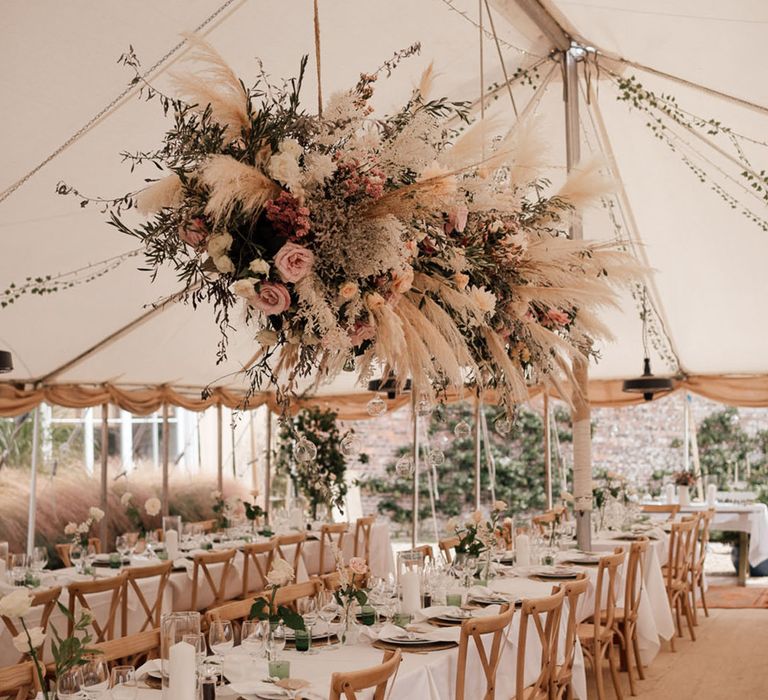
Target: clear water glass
122 682
69 685
276 642
95 678
39 559
307 608
251 638
221 637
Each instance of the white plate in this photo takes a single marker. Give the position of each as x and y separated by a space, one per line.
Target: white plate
409 641
555 573
491 600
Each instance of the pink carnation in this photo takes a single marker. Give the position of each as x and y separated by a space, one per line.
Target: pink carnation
294 262
557 316
271 298
457 219
194 232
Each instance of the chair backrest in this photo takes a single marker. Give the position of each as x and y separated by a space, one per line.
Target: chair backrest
702 540
215 581
132 649
474 629
682 540
633 578
548 629
332 534
289 595
332 581
347 684
79 592
63 549
672 509
298 539
203 525
543 521
426 550
605 589
363 526
46 600
446 547
258 555
18 681
564 671
150 611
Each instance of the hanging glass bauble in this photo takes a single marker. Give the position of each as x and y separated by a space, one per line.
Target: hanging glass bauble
503 426
304 450
436 457
462 429
376 406
349 445
404 466
349 364
424 407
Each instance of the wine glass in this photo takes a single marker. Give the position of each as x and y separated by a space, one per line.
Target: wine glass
276 642
307 608
221 637
123 546
18 566
95 677
251 637
76 556
89 556
122 681
39 559
328 609
469 570
69 684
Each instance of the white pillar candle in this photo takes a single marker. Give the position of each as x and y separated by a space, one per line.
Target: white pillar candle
711 495
523 550
181 672
669 491
172 544
410 590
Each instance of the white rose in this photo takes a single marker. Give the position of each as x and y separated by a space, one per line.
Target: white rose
318 168
224 264
36 636
219 244
152 506
70 529
83 528
500 505
291 146
284 167
16 603
125 499
281 573
96 513
243 288
215 495
259 267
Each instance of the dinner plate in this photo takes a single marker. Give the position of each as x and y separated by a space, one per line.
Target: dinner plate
319 631
453 619
492 600
583 561
555 573
408 640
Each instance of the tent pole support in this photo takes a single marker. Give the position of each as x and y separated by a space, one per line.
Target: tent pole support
166 446
219 450
104 474
32 513
547 453
478 410
415 457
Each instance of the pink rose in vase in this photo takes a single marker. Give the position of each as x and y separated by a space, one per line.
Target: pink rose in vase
294 262
271 298
194 232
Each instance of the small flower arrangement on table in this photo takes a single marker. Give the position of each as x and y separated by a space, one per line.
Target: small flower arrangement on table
81 532
264 608
253 512
67 653
351 590
152 507
478 535
683 478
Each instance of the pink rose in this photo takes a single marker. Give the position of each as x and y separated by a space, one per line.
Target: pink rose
457 219
294 262
358 566
361 332
557 316
194 232
271 298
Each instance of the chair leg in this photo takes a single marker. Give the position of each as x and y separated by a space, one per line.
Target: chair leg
636 649
678 615
629 651
614 666
597 668
689 616
703 596
693 603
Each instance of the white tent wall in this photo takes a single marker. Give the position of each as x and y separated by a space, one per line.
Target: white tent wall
708 258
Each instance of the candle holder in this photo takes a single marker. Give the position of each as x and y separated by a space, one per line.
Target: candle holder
410 573
173 627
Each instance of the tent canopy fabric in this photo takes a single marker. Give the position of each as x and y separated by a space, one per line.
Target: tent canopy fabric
102 338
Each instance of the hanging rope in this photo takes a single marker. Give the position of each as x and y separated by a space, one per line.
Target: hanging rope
317 61
501 58
489 460
114 103
482 72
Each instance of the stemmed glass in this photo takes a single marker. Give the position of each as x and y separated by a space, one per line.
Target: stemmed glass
307 608
18 568
89 556
251 638
221 637
69 684
276 642
469 570
123 546
39 559
76 556
328 609
95 677
122 681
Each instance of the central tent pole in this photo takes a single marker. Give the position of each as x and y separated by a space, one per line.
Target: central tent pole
166 446
104 474
219 450
32 512
547 453
415 457
478 410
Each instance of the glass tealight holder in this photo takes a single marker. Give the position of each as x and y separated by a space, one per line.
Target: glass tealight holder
280 668
301 640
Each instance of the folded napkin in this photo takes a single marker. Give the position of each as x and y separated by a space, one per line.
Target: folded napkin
422 631
152 666
260 689
436 611
182 563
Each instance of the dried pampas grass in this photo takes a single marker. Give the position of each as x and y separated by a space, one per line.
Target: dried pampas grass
585 184
230 183
159 195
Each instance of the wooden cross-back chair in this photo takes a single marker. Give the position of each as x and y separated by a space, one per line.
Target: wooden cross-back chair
626 617
533 610
19 681
132 649
64 548
562 674
697 569
204 526
345 685
151 612
596 637
682 541
363 526
332 582
474 630
297 539
258 555
447 546
333 534
46 600
671 509
79 592
216 582
427 551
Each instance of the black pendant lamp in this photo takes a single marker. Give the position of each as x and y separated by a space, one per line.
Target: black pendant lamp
6 362
647 384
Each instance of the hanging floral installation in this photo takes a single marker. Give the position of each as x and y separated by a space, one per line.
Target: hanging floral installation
402 244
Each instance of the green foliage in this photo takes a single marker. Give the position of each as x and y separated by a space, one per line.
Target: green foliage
519 459
263 609
252 511
321 481
72 651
